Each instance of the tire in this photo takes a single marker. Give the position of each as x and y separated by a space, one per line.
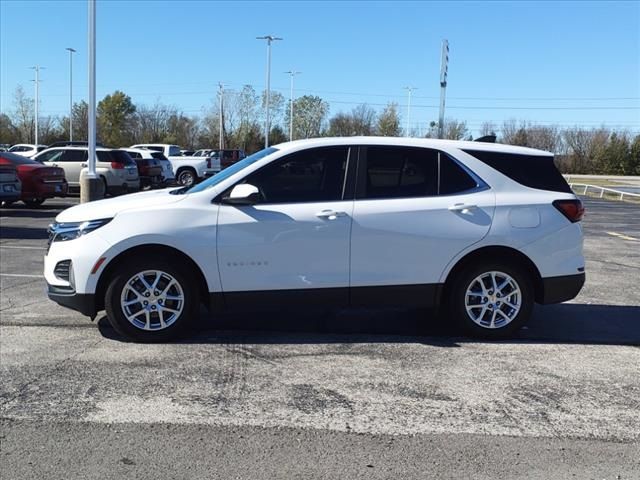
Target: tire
34 202
492 314
186 177
142 324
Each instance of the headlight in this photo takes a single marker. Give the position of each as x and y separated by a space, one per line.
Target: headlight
61 232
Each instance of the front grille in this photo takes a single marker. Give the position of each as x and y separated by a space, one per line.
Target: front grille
63 270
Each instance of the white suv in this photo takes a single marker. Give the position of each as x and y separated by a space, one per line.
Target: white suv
118 172
484 229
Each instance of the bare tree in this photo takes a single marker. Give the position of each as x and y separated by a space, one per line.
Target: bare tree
23 115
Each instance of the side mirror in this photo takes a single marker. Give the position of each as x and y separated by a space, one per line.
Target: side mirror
243 194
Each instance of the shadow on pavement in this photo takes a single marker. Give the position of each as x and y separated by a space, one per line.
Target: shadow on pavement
563 323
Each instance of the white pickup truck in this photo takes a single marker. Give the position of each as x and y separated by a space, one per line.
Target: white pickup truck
188 170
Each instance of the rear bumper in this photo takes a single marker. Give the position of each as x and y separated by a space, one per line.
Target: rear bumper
561 289
67 297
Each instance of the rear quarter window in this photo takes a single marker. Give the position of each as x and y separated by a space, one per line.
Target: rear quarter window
532 171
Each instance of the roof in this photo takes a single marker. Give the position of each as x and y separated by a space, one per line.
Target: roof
413 142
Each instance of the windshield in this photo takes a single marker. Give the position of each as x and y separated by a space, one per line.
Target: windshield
233 169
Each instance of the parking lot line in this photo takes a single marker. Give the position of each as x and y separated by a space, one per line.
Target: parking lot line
623 237
19 247
20 275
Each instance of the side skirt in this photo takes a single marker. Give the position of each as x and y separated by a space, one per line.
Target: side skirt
410 296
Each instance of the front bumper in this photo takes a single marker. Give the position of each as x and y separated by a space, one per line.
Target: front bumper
67 297
561 289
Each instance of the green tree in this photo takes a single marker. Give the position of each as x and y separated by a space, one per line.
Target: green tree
634 157
388 124
115 119
310 114
8 132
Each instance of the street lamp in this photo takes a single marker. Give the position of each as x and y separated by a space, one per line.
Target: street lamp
409 90
37 103
292 73
71 52
269 39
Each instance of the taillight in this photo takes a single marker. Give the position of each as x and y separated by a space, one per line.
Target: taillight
117 165
572 209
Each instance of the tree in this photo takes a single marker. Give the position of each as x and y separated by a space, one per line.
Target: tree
115 119
23 116
451 130
388 124
8 132
634 157
487 128
310 113
361 121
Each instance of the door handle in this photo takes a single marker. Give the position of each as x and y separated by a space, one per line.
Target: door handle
83 165
462 208
330 214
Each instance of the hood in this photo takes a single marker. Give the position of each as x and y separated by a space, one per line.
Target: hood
109 208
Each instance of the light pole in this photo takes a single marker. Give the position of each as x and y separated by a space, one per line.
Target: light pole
269 39
292 73
221 136
71 52
444 69
37 103
409 90
91 186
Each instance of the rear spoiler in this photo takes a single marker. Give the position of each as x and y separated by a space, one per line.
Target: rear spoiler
486 139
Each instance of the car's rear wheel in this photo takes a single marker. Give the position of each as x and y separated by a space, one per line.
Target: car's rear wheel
491 300
151 300
186 177
34 202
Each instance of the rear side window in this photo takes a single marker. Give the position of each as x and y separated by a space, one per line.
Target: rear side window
121 156
174 152
134 155
453 178
158 156
529 170
394 172
104 156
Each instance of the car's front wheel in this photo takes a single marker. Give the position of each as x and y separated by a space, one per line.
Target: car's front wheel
186 177
151 300
491 300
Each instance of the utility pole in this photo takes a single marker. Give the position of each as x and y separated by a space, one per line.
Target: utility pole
269 39
292 73
220 114
71 52
91 186
37 103
409 91
444 67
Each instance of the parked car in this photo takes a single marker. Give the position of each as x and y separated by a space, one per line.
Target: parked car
119 174
39 182
225 157
485 230
73 143
150 169
10 185
27 149
168 177
188 170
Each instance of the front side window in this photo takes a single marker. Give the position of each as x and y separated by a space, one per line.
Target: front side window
401 172
314 175
50 156
74 156
174 152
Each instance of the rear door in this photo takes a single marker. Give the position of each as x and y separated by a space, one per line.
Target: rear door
415 210
294 243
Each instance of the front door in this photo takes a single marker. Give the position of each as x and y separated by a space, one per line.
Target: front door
292 246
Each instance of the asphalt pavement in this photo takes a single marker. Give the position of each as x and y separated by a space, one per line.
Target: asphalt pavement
352 394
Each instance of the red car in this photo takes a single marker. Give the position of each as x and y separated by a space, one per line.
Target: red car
39 182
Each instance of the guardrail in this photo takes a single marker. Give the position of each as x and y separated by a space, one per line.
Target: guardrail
603 190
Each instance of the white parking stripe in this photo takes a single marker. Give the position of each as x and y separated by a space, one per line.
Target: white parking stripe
22 275
23 248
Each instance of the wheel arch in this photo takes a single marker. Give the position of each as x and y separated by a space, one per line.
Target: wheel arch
163 251
500 253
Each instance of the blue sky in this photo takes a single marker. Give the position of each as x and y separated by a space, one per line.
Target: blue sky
569 63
